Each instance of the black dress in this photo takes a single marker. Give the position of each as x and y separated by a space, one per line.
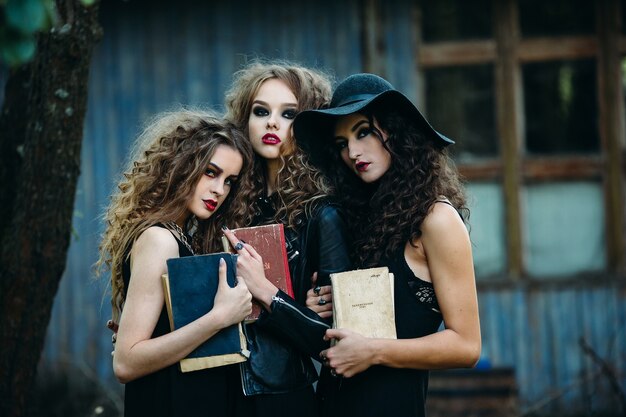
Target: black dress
211 392
381 390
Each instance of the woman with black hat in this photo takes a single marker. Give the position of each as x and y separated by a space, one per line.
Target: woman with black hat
406 210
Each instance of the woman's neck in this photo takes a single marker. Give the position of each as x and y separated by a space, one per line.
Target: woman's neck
182 220
272 167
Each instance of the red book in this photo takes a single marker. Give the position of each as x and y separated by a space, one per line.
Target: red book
269 241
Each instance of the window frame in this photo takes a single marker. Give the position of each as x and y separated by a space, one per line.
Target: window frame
508 51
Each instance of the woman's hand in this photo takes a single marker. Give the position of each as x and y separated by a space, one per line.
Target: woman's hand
250 269
231 305
320 299
351 354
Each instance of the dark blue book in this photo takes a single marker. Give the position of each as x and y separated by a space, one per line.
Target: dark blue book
190 286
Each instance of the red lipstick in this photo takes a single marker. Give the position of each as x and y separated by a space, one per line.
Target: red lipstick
362 166
210 205
270 139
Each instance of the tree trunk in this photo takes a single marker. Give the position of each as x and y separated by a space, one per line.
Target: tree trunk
41 128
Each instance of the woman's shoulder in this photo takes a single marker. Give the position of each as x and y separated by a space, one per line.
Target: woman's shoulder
327 210
443 220
156 238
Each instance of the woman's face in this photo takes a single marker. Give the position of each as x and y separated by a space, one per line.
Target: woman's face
269 126
214 186
360 148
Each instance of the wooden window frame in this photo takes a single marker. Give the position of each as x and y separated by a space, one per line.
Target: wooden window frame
508 51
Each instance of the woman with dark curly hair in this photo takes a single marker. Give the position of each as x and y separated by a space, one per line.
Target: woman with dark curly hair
183 175
263 101
406 210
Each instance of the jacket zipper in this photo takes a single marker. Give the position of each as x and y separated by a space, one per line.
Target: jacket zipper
280 300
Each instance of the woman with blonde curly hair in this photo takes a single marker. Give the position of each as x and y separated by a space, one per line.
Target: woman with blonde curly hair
184 175
263 101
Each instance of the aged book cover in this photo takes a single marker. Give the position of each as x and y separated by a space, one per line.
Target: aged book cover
269 241
189 287
363 302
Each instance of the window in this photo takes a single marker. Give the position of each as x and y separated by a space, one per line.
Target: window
528 91
460 101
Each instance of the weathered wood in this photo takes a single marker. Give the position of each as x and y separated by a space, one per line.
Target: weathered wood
373 38
40 198
474 393
562 168
481 171
612 130
444 54
538 169
557 48
510 125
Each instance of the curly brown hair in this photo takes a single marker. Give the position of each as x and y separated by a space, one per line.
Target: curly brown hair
384 215
300 186
169 158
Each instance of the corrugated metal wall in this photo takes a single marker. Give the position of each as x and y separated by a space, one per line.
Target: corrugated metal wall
537 331
155 55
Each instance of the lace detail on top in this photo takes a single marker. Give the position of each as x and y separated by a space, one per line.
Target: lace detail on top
423 290
425 293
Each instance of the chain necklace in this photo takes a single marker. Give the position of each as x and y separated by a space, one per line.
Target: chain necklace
183 236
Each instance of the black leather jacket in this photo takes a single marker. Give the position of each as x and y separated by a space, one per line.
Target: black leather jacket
282 342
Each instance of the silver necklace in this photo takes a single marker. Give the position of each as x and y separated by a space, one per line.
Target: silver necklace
183 236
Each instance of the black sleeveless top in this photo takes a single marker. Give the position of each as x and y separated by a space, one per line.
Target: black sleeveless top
385 391
170 393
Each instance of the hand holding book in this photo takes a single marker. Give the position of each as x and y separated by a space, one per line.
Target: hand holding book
205 287
320 298
351 354
263 275
230 305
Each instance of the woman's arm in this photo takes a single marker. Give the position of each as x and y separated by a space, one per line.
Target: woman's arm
448 250
136 354
331 246
290 318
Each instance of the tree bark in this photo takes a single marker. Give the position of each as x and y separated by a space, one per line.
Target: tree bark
41 127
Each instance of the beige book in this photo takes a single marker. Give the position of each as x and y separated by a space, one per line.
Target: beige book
363 302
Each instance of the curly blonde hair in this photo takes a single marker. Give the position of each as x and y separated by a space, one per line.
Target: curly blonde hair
169 158
300 186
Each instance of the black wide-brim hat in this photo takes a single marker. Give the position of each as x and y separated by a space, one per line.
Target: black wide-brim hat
313 128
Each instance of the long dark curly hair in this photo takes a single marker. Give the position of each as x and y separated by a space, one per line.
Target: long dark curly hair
384 215
300 185
168 160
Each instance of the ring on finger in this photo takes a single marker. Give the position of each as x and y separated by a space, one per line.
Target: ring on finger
239 246
317 290
321 301
333 373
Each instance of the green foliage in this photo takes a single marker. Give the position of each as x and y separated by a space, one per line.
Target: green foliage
20 22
